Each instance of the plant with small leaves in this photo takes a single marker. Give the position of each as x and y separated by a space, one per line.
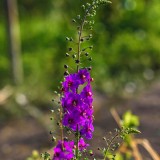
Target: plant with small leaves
113 141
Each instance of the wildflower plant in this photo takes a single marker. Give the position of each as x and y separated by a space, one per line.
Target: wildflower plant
76 96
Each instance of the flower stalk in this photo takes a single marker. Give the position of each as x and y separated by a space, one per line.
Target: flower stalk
76 98
76 113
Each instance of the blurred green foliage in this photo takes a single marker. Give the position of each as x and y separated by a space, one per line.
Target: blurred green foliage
126 42
35 156
130 120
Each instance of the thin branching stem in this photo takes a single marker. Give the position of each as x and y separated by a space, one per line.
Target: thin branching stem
80 35
109 145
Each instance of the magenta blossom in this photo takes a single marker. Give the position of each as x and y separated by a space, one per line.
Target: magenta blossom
82 145
77 103
63 151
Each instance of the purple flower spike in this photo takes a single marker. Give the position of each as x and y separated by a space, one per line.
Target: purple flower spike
77 103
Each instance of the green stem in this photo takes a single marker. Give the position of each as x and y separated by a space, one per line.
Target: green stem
77 147
78 56
61 127
80 36
109 145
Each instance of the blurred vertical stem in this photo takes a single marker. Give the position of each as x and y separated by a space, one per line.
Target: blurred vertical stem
13 32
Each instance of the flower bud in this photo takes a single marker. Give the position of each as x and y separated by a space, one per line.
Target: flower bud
91 79
104 138
73 20
88 4
90 59
52 110
77 61
83 6
90 35
91 47
91 153
74 56
86 54
71 39
66 73
78 16
65 138
81 39
67 55
89 68
70 49
67 39
65 66
53 139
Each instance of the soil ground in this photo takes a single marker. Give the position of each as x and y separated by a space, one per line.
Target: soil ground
18 137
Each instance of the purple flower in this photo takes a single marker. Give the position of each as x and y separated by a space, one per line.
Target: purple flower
82 145
87 130
71 101
63 151
73 81
83 76
87 95
73 119
70 83
85 111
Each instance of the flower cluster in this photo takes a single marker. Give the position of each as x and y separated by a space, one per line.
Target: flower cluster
77 113
65 149
77 103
